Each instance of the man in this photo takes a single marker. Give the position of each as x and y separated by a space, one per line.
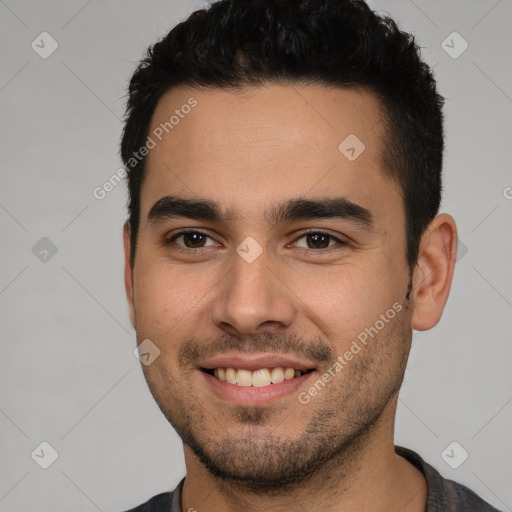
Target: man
283 241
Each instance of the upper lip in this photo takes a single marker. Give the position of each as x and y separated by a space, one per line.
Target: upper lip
255 362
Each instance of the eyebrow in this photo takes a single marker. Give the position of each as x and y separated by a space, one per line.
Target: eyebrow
294 209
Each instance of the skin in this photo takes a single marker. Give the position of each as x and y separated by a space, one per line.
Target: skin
247 151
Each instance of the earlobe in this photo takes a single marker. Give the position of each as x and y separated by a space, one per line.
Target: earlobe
433 273
128 273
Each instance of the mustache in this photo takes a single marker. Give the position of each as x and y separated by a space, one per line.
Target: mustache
194 349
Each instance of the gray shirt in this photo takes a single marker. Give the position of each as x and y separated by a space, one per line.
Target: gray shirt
442 495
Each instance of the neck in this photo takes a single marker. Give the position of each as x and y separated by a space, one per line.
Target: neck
367 475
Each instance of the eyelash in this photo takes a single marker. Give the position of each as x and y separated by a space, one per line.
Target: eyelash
307 232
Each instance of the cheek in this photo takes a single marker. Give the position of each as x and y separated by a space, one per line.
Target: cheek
346 299
165 297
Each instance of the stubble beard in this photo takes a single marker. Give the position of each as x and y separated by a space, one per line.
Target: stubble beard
255 457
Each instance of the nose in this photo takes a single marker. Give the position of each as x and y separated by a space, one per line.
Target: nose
252 298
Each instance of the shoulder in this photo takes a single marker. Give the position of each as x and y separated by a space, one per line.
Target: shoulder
165 502
159 503
445 495
459 498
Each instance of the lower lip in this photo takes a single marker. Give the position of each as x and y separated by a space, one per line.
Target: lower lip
254 396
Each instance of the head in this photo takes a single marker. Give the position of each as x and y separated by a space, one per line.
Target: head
341 44
302 142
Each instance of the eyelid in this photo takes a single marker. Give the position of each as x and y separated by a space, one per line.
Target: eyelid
168 240
184 231
340 240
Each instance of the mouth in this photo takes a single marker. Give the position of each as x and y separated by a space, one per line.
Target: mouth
259 378
255 379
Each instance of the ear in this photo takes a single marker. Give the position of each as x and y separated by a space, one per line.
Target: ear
128 273
433 273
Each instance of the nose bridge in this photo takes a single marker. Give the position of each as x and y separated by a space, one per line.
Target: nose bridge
250 296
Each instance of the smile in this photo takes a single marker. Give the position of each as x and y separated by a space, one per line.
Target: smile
258 378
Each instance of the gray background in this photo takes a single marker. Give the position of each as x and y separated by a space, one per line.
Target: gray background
68 375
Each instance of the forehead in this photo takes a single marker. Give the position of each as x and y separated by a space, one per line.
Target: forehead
271 142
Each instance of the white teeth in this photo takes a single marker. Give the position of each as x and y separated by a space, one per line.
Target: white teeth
277 375
244 378
258 378
289 373
231 375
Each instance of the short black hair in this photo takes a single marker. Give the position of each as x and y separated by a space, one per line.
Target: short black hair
342 43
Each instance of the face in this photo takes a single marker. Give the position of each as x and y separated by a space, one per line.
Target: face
271 274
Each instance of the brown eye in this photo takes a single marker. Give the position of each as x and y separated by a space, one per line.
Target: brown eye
194 240
318 240
191 240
